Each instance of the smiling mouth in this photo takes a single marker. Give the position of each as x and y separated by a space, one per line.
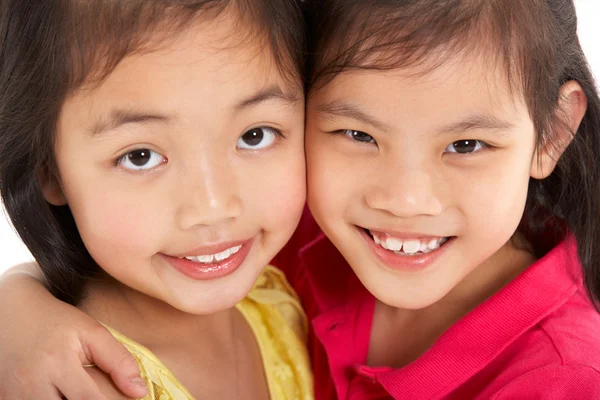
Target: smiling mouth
409 247
216 257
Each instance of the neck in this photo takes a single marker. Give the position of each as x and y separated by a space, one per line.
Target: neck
152 322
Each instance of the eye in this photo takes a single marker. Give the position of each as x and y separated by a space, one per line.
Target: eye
140 160
466 146
258 138
358 136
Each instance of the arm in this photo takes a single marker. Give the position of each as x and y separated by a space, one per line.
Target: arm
44 342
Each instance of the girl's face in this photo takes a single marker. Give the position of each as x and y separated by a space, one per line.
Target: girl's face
185 169
419 179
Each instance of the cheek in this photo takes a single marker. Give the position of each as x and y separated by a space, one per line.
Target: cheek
116 226
494 199
335 180
277 194
321 197
321 171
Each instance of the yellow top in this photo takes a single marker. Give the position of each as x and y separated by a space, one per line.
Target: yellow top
274 313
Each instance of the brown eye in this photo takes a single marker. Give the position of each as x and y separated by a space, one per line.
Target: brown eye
465 146
257 138
141 159
359 136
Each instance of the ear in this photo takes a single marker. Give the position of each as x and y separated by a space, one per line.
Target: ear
51 188
572 105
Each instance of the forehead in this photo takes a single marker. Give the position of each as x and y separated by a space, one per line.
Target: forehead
460 82
202 72
213 46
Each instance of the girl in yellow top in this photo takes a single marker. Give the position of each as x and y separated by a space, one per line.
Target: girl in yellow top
152 161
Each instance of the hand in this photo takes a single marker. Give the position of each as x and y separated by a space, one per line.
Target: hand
44 344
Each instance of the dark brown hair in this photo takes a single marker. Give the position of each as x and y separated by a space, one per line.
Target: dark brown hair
536 43
49 49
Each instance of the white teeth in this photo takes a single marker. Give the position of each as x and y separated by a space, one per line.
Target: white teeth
433 244
222 255
394 244
209 258
206 259
411 246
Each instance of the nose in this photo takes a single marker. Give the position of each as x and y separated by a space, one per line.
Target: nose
209 193
405 190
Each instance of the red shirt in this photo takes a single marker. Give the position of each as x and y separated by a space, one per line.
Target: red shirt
538 338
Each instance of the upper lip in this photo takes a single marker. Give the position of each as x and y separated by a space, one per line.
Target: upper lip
212 248
405 234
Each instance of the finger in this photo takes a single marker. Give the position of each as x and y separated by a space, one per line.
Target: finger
102 349
77 384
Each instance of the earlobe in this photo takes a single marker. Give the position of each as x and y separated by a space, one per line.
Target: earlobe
572 105
51 188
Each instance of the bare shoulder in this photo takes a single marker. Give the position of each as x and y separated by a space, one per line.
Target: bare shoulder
106 385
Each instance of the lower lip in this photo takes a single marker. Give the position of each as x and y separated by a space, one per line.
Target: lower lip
211 271
397 262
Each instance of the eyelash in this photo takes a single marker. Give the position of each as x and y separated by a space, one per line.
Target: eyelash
484 145
345 132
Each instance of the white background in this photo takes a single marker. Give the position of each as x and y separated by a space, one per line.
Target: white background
12 251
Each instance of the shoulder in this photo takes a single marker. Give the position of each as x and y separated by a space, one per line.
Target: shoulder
280 326
535 367
106 385
553 382
573 331
557 358
273 301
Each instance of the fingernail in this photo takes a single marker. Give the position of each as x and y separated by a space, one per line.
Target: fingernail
139 382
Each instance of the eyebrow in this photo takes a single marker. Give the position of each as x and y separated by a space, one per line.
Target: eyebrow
273 92
119 117
340 108
487 122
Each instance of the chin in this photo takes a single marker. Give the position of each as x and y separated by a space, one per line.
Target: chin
206 306
414 303
398 295
207 301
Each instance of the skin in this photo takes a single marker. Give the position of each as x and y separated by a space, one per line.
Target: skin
191 106
381 155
